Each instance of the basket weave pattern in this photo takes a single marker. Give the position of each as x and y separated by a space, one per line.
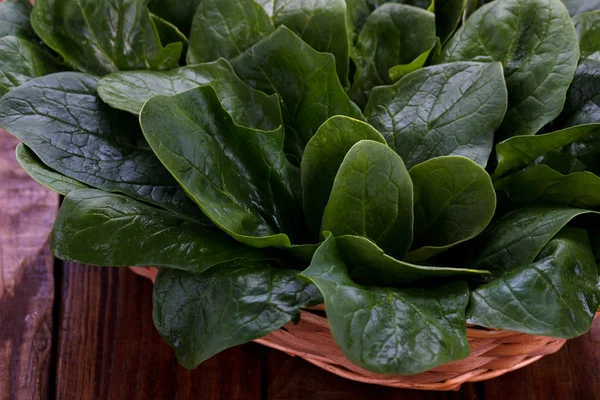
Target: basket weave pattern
493 352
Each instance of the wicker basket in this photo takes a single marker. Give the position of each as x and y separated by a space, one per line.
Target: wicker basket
493 352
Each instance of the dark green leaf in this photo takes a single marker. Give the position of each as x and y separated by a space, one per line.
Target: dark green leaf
323 156
537 44
239 176
450 109
372 196
248 107
100 37
580 6
304 79
21 61
540 184
167 32
448 14
454 202
368 264
178 12
100 228
321 24
388 330
14 19
228 305
63 121
520 151
583 98
587 26
393 34
45 175
554 296
518 237
226 28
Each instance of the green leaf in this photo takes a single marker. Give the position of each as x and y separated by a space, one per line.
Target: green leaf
45 175
357 12
520 151
554 296
321 24
540 184
21 61
448 14
517 238
305 80
178 12
587 26
238 176
14 19
323 156
368 264
372 196
387 330
454 202
72 131
226 28
450 109
167 32
583 98
100 228
537 45
580 6
230 304
130 90
100 37
393 34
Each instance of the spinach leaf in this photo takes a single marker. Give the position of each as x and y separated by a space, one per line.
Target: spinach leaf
520 151
21 61
305 80
230 304
167 32
226 28
537 45
178 12
540 184
580 6
63 121
100 37
239 176
372 196
393 34
369 265
14 19
583 98
450 109
323 156
448 14
45 175
454 202
517 238
96 227
131 89
387 330
556 295
587 26
321 24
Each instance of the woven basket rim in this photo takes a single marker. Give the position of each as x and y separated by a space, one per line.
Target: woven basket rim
494 352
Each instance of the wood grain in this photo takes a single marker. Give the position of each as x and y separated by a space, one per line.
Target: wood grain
108 347
27 212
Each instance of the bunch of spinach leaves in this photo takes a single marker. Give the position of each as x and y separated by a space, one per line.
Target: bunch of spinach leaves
415 165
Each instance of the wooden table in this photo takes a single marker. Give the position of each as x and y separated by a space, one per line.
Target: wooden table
71 331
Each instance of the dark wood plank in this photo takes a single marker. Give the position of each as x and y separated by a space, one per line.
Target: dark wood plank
27 211
109 348
572 373
296 379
